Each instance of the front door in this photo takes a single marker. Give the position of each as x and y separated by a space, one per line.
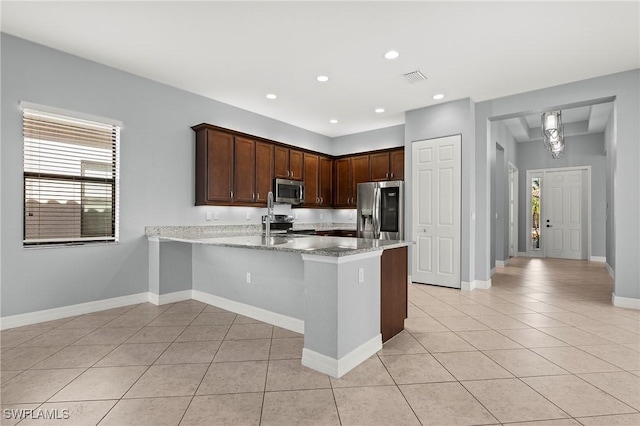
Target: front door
436 194
563 215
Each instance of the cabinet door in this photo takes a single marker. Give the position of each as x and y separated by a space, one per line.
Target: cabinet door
360 167
264 171
396 163
295 164
379 166
244 170
393 292
326 181
342 177
219 166
281 163
311 193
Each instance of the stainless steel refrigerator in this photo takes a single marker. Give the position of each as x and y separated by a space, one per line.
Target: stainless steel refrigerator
381 210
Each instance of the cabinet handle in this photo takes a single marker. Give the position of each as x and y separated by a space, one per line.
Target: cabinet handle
288 172
392 175
387 176
231 194
291 173
258 197
317 200
253 197
321 200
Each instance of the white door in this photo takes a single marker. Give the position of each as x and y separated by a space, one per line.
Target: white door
562 211
436 194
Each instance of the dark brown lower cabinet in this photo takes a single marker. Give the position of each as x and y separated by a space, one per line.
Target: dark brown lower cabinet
393 292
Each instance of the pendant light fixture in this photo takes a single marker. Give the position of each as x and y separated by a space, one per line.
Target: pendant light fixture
553 133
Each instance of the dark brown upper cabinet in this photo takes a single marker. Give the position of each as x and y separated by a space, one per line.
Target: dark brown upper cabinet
349 172
387 165
326 182
318 172
288 163
214 167
231 169
234 168
264 171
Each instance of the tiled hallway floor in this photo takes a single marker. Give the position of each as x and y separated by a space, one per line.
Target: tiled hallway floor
542 345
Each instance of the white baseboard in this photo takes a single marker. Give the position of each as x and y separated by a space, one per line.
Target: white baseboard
339 367
479 284
612 273
502 263
523 254
279 320
492 272
72 310
176 296
598 259
625 302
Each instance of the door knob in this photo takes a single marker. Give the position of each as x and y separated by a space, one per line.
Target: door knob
549 226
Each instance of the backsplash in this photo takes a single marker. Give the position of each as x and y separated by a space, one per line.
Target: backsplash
231 215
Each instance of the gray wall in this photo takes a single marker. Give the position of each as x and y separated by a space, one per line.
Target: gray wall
157 171
624 87
586 150
276 277
610 154
451 118
388 137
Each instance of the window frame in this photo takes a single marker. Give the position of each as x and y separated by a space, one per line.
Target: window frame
112 182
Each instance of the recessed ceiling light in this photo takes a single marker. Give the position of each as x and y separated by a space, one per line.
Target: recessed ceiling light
271 96
322 78
333 121
392 54
379 110
438 96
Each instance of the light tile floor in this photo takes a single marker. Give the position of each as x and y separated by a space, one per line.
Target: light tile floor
542 346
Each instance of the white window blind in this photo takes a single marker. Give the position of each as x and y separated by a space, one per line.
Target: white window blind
70 179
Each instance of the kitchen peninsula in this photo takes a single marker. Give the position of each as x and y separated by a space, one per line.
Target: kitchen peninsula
344 294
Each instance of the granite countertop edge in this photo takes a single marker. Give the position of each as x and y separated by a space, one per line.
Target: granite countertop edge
218 241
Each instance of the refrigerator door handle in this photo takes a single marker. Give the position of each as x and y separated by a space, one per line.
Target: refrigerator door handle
376 213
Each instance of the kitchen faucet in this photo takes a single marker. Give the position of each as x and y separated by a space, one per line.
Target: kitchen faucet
269 217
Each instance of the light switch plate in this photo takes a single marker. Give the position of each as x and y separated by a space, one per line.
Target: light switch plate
361 275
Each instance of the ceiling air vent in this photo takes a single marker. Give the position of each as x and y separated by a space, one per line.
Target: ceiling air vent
415 76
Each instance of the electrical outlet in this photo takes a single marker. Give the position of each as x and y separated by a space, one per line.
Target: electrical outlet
248 215
321 216
296 215
216 216
361 275
208 215
248 277
350 215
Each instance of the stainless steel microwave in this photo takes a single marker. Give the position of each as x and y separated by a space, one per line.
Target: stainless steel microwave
288 191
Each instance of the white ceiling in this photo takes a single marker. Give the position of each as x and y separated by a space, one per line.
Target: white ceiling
237 52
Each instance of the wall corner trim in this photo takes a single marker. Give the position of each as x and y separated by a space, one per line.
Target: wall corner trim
339 367
177 296
625 302
71 310
502 263
479 284
612 273
598 259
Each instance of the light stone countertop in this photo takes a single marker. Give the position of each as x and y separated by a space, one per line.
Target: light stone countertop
304 244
